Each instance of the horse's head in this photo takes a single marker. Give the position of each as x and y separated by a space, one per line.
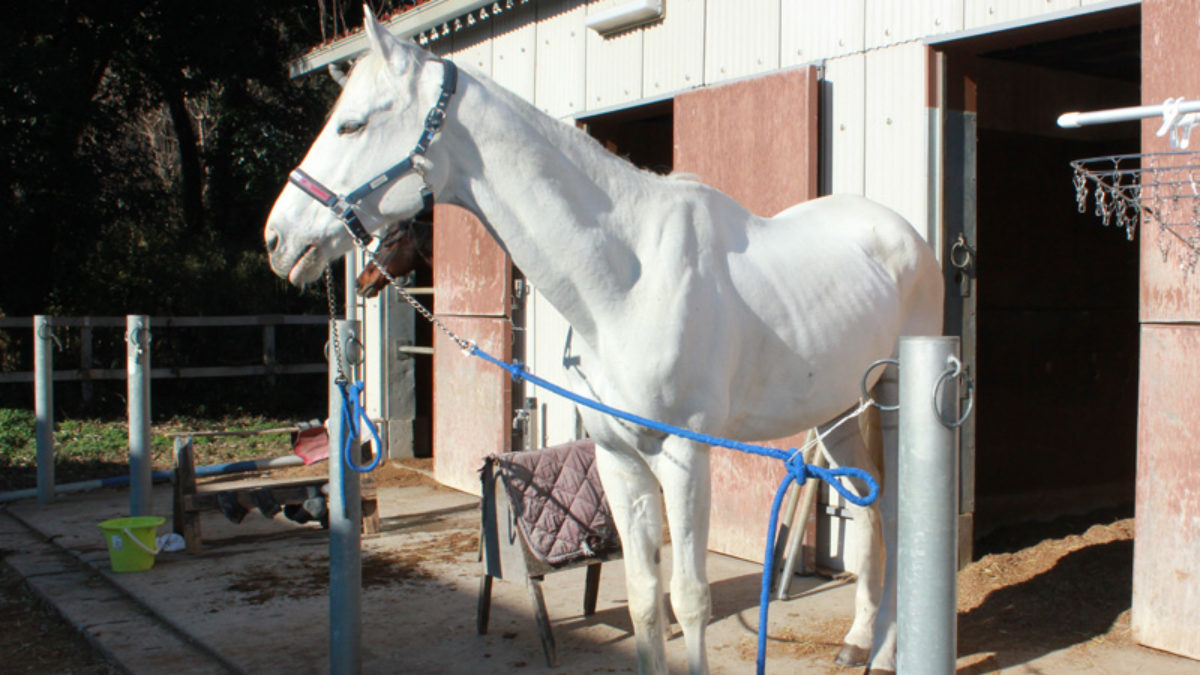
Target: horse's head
372 165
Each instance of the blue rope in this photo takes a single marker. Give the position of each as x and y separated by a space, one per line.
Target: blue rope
352 411
797 471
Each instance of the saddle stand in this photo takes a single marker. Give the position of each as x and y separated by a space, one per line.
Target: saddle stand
544 511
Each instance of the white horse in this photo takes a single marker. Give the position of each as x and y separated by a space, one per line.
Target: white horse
685 307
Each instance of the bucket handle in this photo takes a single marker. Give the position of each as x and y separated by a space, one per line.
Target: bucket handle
147 549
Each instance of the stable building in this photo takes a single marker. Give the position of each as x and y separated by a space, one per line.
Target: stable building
1083 345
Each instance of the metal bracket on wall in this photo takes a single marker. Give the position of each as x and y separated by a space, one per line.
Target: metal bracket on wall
962 258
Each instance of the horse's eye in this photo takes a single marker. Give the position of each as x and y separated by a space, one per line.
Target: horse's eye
350 127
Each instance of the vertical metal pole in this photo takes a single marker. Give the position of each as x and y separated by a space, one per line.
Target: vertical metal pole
928 510
345 523
43 405
137 371
352 264
85 362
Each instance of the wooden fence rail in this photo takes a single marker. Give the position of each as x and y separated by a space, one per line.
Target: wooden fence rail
85 372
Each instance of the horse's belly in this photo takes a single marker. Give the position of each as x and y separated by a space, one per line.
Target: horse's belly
808 343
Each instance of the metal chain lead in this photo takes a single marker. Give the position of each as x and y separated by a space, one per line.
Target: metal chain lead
333 330
464 344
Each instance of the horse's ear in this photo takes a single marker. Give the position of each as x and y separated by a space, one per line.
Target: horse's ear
338 74
382 42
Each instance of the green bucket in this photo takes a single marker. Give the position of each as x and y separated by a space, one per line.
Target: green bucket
132 542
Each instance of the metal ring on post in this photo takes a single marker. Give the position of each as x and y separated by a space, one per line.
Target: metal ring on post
134 338
954 370
355 350
960 247
46 332
867 375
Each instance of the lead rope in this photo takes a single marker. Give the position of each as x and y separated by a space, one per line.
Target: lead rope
353 411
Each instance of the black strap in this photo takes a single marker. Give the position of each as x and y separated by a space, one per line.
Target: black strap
344 207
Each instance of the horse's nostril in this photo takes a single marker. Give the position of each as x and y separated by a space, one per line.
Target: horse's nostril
272 240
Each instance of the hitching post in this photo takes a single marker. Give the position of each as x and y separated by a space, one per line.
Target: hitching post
137 371
345 522
928 509
43 405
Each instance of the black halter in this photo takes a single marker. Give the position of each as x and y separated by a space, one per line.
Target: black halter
344 207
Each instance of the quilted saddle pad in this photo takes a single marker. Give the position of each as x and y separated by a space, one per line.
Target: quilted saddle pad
559 503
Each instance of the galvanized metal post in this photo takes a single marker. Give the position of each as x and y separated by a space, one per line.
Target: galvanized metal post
345 519
43 405
137 371
927 589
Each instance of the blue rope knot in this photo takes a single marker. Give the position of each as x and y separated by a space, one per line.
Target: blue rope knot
352 412
797 468
518 371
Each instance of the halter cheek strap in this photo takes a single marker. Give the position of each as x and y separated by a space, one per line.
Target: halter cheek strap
345 208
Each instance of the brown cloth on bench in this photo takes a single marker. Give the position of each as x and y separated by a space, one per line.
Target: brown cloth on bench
558 502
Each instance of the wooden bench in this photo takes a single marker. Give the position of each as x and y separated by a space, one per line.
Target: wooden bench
191 498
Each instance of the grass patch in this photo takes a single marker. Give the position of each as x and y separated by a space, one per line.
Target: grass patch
87 449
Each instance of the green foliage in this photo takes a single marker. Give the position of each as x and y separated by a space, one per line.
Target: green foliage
17 429
88 449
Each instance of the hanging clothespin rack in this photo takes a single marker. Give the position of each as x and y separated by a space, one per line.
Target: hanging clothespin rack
1163 187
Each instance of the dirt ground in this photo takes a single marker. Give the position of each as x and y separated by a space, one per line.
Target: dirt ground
35 639
1052 587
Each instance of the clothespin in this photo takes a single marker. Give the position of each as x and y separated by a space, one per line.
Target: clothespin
1178 125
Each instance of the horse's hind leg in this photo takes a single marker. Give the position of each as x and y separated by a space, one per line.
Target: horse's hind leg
633 496
682 470
846 445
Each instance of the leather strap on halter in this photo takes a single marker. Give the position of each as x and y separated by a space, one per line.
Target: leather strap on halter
345 207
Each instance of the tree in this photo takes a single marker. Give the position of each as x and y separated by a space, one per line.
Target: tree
142 143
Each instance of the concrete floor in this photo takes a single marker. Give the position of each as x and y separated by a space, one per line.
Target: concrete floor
255 601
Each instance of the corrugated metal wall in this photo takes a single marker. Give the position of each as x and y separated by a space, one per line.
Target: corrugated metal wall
872 51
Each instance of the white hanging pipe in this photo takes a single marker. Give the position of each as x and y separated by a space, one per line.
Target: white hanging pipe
43 405
137 370
345 519
926 568
1074 120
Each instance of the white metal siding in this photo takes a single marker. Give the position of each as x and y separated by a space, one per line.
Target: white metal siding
895 131
673 50
547 337
614 64
818 29
741 38
514 50
473 47
561 76
843 109
979 13
890 22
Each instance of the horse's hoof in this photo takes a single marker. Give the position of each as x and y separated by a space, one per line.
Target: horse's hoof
851 656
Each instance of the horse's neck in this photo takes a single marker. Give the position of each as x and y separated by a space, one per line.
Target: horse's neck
557 202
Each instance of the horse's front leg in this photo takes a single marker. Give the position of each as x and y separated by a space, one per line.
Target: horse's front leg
633 497
682 470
